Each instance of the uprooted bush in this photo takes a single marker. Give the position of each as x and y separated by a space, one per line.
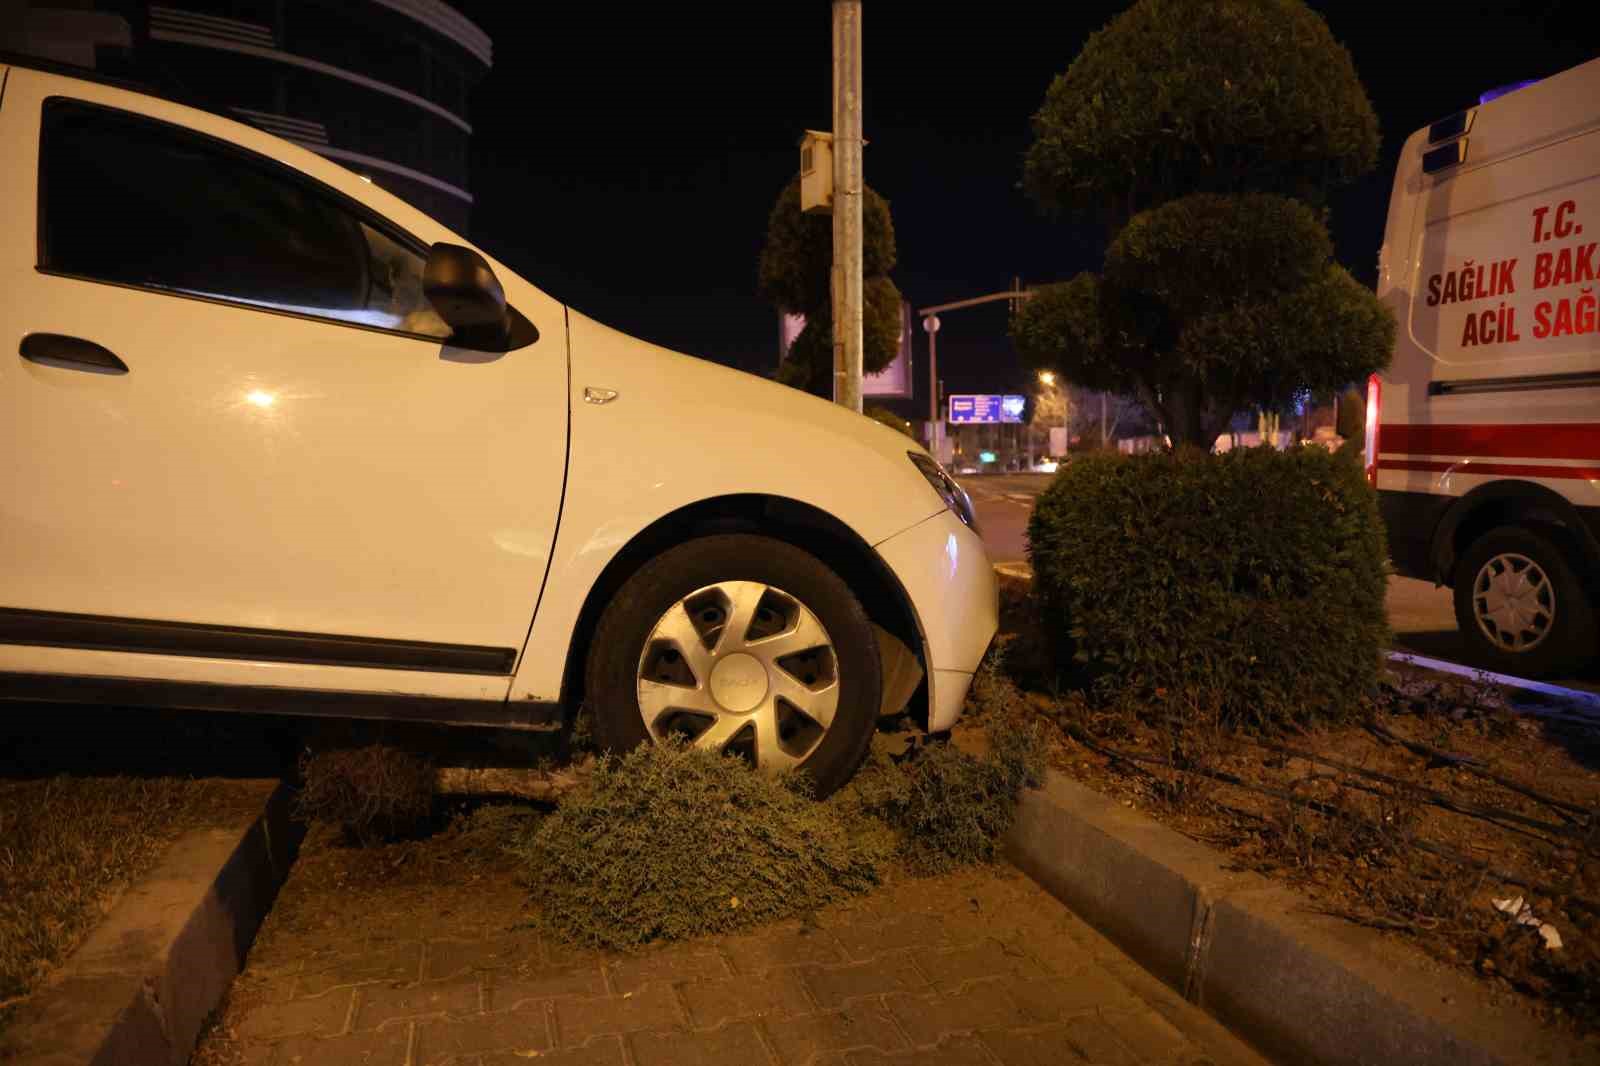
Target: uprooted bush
1258 574
670 842
374 792
950 807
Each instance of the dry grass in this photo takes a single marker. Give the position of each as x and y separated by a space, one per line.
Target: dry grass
69 845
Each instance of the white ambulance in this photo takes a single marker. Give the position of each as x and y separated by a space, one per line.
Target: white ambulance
1483 437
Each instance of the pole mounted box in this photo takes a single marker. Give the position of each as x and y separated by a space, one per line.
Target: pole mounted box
816 173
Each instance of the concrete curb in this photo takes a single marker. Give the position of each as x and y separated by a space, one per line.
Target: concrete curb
139 989
1305 988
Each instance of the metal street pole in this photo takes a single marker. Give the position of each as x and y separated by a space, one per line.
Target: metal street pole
847 249
930 323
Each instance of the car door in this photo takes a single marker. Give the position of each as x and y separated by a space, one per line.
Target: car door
233 429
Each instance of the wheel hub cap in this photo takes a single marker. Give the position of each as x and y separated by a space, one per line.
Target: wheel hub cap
739 682
1514 602
740 667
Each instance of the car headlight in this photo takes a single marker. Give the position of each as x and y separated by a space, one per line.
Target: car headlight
953 495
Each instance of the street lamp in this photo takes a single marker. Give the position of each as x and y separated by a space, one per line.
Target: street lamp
1047 378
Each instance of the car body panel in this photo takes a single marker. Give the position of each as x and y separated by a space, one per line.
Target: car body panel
680 430
322 478
23 659
947 576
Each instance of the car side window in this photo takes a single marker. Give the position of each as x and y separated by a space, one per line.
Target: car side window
138 202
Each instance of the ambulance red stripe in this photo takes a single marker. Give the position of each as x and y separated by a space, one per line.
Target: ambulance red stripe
1578 473
1545 440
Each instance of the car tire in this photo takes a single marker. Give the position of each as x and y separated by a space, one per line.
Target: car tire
805 640
1520 606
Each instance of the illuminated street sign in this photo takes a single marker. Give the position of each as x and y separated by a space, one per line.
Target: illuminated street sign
985 408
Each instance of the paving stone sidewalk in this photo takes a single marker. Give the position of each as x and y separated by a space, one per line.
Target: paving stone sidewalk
980 967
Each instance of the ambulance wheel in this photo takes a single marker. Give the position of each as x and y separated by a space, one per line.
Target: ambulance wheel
1520 606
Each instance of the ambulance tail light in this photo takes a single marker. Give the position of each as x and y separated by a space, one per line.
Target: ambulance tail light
1374 412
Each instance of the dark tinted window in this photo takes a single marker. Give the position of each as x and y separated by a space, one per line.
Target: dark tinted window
130 200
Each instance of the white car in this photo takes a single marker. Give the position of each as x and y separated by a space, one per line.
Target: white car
277 441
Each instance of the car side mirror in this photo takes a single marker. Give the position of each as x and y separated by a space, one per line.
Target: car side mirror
464 291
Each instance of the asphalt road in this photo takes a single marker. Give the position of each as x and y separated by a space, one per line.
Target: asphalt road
1422 616
1003 503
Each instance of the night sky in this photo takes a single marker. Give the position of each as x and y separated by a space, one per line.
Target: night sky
625 158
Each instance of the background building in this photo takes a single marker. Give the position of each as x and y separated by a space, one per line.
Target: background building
379 86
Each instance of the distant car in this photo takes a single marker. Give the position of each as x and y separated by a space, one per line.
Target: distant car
280 442
968 468
1046 466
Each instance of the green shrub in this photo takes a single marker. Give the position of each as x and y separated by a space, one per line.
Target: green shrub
1174 97
951 807
374 792
1352 422
1210 305
1256 573
795 273
482 834
670 842
993 694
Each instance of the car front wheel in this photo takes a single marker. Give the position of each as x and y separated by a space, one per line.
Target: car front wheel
744 645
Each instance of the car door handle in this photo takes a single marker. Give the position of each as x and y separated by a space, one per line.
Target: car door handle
73 353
